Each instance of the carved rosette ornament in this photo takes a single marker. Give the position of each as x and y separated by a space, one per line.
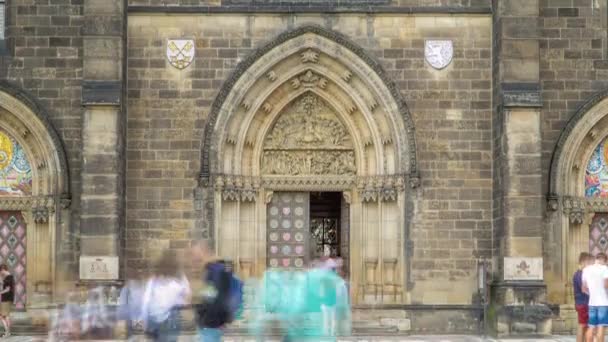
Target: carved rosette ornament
308 139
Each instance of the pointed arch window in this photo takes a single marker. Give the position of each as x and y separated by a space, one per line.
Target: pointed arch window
596 174
15 169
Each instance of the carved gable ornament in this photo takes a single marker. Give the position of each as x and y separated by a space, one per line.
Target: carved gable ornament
438 53
180 52
308 139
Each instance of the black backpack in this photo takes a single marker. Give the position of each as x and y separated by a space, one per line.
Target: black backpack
214 310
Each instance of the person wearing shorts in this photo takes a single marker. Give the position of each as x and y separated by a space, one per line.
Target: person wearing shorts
581 299
7 296
595 283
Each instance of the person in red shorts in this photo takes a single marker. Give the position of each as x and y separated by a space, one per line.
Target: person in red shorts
581 299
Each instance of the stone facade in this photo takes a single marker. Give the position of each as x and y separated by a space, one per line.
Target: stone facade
444 169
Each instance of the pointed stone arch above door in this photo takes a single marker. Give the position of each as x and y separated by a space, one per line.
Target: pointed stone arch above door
310 111
310 59
43 209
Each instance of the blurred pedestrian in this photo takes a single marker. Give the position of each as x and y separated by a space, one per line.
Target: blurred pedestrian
165 294
221 298
581 299
131 301
97 323
66 323
8 296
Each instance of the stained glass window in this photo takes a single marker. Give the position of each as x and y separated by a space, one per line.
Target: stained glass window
15 170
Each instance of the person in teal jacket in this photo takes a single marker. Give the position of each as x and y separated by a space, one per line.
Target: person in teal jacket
297 300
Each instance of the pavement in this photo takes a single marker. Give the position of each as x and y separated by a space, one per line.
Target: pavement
425 338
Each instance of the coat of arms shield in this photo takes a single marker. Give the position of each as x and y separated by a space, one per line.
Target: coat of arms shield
180 52
438 53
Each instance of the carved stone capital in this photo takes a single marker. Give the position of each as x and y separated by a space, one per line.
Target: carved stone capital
230 194
65 201
347 197
576 216
268 197
575 208
40 214
552 202
414 181
237 188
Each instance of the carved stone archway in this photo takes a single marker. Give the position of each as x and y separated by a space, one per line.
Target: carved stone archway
46 210
569 211
310 112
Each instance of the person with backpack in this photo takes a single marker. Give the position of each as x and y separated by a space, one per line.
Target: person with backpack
220 299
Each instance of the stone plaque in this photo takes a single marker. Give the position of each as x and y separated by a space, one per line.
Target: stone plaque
180 52
438 53
98 267
519 268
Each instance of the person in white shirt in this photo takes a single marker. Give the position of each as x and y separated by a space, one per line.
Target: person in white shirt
595 282
165 293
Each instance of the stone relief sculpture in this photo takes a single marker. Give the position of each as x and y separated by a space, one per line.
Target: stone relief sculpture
308 139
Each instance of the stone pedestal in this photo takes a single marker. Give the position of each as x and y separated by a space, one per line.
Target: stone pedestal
519 309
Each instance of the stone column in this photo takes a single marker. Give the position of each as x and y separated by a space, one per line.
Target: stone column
102 206
518 290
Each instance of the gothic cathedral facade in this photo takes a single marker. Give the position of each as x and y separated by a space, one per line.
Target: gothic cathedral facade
452 153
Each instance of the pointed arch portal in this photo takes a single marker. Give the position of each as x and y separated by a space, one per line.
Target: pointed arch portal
310 112
34 195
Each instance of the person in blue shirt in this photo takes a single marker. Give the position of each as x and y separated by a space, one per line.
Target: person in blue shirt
581 299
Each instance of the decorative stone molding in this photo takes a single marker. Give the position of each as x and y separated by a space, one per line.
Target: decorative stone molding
381 188
310 56
576 208
308 79
27 203
390 93
373 188
40 214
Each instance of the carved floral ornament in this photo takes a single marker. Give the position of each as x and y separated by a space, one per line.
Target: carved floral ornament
577 207
40 207
371 189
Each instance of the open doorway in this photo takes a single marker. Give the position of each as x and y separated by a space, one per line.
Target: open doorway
328 226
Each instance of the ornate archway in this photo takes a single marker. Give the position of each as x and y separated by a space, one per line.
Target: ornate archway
310 112
571 210
35 192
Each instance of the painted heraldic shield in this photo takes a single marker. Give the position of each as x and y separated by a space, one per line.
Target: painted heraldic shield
180 52
438 53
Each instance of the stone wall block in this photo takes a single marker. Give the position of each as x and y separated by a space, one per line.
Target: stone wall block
518 8
99 225
99 206
519 27
519 49
96 185
102 7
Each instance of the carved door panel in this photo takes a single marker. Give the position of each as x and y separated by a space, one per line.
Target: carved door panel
13 251
598 234
288 229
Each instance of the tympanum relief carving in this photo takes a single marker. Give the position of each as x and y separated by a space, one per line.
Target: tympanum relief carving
308 139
